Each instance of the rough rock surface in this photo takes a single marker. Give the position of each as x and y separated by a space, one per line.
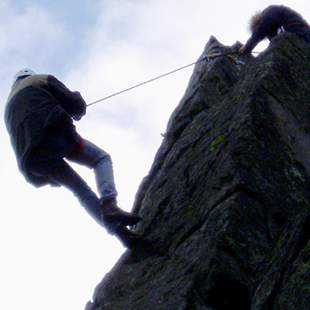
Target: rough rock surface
226 203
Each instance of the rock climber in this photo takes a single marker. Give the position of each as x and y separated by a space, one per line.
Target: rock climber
39 118
271 21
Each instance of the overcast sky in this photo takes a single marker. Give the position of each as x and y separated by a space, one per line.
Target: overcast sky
52 253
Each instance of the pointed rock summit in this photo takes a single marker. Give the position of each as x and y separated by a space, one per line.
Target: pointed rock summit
226 203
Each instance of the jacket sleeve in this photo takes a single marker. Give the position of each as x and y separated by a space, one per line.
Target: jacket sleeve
255 38
269 24
71 101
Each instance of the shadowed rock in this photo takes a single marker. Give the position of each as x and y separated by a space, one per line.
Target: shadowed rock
226 203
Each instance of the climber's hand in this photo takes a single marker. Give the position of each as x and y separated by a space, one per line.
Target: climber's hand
242 49
77 117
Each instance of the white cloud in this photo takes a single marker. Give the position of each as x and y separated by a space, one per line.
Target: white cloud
26 31
48 241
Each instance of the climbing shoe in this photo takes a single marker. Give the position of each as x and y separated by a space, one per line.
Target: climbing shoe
127 237
112 214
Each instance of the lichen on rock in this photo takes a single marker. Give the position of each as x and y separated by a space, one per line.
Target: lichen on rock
227 198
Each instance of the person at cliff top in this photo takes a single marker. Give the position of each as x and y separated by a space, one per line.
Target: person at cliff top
271 21
39 118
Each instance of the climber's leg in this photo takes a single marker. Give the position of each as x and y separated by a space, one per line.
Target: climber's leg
93 157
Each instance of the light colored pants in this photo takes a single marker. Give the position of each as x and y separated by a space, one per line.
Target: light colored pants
95 158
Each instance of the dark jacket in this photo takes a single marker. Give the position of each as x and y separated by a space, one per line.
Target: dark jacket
275 18
35 104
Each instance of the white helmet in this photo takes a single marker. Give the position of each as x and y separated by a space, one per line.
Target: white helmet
23 72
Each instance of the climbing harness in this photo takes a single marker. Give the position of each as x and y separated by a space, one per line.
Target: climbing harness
204 58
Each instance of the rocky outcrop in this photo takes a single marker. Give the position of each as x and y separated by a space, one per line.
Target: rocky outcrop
226 203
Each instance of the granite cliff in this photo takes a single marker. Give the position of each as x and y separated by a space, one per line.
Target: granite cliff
226 203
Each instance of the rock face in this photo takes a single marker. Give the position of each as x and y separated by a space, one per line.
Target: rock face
226 203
